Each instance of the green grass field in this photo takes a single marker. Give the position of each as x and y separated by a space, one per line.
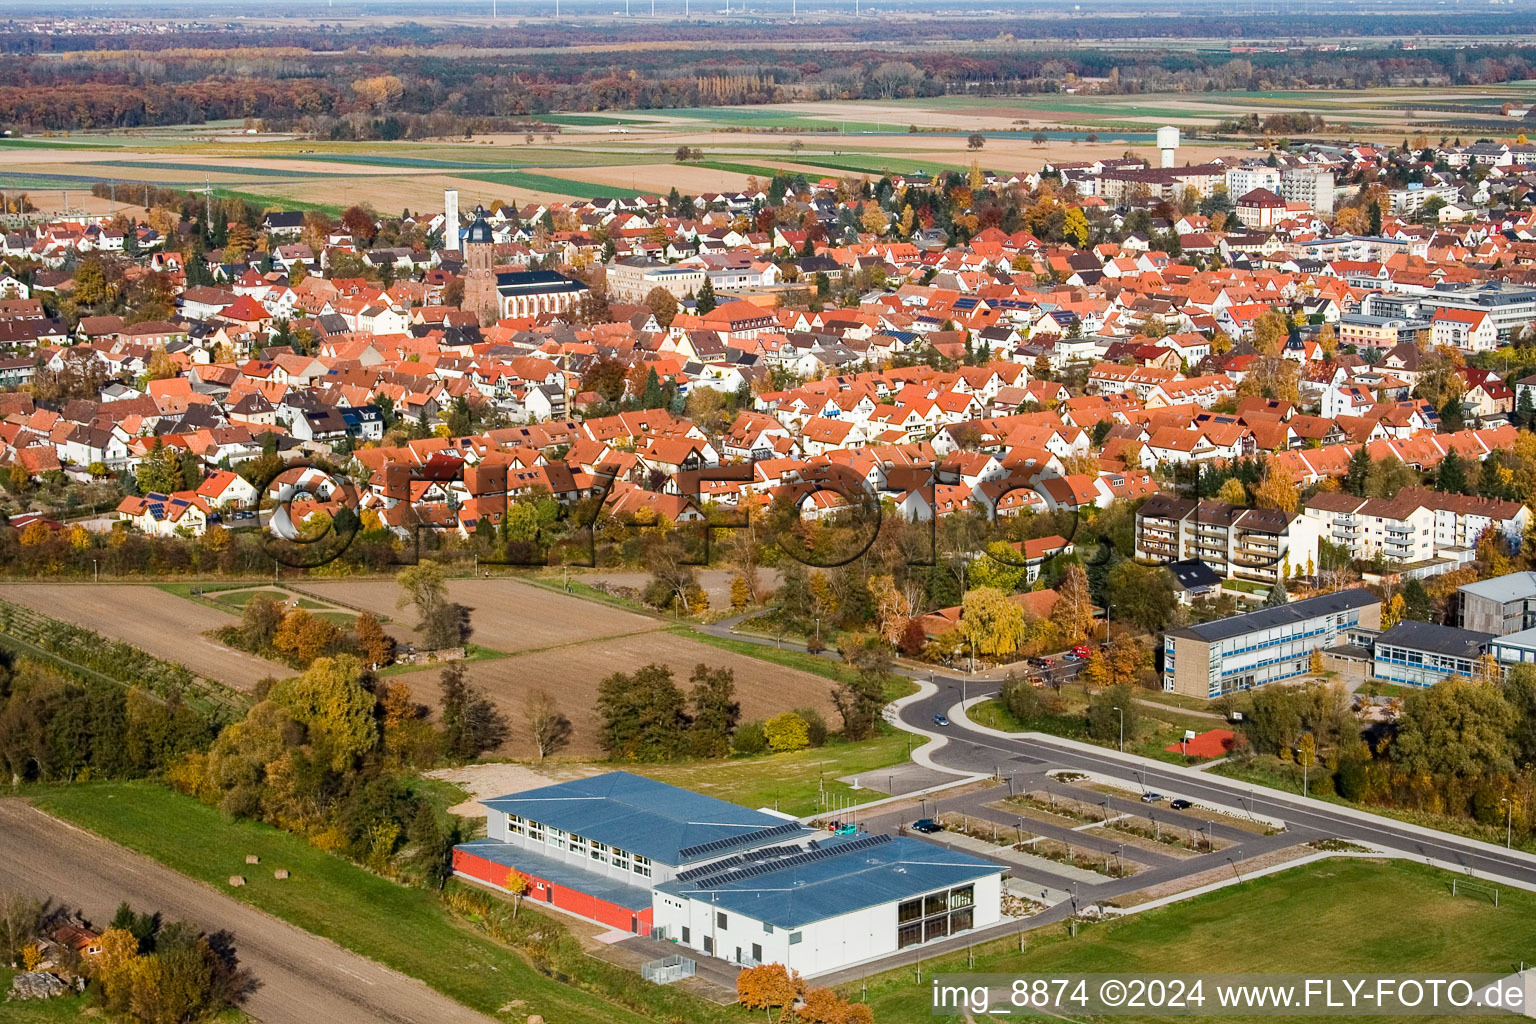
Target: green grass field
792 782
1155 729
1331 917
406 929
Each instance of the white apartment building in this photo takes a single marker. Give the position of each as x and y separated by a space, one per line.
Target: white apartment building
1308 185
1417 526
1242 180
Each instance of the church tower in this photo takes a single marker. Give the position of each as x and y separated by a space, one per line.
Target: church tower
480 295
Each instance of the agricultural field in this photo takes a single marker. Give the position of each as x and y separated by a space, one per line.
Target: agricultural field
571 674
566 645
620 153
507 615
159 623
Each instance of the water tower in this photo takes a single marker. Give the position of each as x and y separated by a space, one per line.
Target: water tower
1167 143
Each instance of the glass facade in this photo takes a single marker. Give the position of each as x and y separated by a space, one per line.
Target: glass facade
935 916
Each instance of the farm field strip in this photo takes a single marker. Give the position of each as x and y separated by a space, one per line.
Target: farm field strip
156 622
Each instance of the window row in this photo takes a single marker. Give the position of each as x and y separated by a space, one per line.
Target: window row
561 840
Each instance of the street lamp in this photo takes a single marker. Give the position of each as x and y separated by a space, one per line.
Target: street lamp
1122 728
1139 781
1509 822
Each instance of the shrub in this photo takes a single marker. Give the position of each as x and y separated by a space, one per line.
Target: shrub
749 738
786 732
815 725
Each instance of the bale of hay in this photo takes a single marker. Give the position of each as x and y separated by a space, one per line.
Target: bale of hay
280 874
237 880
251 858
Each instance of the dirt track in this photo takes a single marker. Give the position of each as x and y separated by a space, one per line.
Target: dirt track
304 978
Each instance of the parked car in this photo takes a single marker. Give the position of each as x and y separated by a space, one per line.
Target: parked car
1180 805
1151 798
940 720
1083 651
927 826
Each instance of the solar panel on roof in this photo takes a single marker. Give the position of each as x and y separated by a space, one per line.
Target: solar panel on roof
714 846
810 857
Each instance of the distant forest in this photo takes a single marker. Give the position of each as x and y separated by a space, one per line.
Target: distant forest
407 81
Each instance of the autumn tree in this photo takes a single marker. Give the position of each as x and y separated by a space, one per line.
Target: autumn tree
1392 611
1000 567
160 366
991 623
892 608
1232 492
1456 727
377 646
1440 376
305 637
1270 330
1276 490
768 986
1272 377
662 304
1073 614
330 701
440 621
824 1006
548 729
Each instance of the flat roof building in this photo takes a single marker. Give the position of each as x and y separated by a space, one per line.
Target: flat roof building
1505 604
1424 653
746 886
1240 652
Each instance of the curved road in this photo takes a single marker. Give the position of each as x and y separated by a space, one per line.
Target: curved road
972 750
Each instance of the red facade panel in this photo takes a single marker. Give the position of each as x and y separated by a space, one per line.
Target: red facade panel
544 891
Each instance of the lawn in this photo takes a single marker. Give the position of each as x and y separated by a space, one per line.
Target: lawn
1333 916
790 657
406 929
791 782
597 120
760 170
1156 727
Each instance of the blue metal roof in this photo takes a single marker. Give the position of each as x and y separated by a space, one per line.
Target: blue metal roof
839 876
643 816
630 897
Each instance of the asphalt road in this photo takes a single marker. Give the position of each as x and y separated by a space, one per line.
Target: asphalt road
970 750
974 751
303 978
